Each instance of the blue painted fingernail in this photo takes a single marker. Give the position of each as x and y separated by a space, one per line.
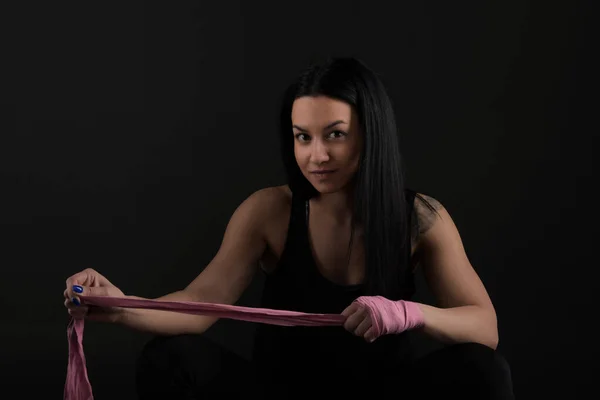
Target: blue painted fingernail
77 289
75 301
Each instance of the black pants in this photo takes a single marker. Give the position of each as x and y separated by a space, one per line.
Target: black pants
192 367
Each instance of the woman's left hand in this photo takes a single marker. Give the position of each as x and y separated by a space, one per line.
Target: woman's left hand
373 316
358 321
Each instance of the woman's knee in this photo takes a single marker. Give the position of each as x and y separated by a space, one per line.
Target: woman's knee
482 357
483 366
471 370
186 366
182 366
174 353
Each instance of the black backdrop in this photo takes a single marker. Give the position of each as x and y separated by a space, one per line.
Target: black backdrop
131 131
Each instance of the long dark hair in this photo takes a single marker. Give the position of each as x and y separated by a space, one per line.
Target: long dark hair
380 204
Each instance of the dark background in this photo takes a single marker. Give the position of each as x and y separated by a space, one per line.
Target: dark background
131 132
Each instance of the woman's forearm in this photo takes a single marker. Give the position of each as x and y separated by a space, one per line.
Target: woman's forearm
461 324
165 323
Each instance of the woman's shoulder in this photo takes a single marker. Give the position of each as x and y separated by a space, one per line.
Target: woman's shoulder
425 212
270 204
273 213
273 196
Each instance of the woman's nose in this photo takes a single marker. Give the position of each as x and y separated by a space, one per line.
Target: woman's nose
319 153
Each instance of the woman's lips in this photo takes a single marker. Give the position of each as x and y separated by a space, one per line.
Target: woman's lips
325 173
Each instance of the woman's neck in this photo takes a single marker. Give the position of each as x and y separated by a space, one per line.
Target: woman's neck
338 205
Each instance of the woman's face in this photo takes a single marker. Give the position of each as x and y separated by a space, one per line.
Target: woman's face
327 141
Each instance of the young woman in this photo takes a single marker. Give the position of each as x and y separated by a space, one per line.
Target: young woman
343 236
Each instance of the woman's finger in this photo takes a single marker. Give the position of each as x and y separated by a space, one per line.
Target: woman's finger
354 320
78 312
74 309
351 309
364 326
371 334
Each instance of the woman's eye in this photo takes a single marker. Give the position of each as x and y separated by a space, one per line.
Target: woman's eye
303 137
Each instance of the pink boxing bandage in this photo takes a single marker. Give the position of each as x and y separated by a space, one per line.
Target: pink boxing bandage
77 384
388 316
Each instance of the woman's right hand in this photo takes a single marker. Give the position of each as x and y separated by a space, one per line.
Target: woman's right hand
90 283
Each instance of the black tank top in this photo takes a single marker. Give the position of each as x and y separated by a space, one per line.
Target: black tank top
297 285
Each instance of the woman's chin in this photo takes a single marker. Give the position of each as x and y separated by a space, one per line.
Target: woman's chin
326 187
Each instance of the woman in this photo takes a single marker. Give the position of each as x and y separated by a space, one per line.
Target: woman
345 228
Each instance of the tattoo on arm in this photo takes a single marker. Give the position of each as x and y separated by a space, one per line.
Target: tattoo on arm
425 213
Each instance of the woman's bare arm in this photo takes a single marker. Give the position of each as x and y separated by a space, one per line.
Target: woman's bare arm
464 312
224 279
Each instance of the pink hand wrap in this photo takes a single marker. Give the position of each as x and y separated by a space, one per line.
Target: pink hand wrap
389 317
77 385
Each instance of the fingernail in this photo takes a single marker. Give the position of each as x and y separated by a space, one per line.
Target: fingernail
77 289
75 301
